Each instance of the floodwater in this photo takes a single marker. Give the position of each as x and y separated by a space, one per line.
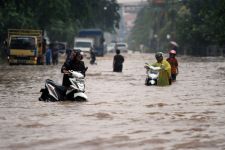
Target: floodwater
121 113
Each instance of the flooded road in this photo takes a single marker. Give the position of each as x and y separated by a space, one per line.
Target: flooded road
122 113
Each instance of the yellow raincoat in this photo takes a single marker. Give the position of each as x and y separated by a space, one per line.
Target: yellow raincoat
164 74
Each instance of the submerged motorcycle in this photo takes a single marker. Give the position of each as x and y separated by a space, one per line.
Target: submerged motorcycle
152 75
54 92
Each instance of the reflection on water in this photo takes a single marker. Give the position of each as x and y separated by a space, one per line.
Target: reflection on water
122 113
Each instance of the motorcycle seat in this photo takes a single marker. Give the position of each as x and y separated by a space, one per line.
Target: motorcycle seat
60 87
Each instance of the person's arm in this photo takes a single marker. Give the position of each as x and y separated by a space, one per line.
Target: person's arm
83 68
177 67
147 65
122 59
64 68
114 60
154 64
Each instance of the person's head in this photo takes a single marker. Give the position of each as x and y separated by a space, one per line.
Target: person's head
77 55
81 55
172 53
117 51
159 56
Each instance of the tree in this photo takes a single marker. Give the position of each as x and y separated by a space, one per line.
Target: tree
198 26
60 19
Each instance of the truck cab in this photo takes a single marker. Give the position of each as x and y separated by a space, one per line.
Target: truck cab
84 44
98 37
25 47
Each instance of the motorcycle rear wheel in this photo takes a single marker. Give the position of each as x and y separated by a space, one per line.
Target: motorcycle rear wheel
147 82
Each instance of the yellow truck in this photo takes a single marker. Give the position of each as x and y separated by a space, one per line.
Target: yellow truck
25 47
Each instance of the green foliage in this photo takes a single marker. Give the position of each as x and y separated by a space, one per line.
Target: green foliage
196 25
60 18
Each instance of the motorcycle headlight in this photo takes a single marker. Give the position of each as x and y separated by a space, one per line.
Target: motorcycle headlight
152 81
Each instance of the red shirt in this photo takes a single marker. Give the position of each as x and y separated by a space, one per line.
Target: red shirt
174 64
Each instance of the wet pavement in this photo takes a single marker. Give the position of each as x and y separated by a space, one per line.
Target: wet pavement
121 113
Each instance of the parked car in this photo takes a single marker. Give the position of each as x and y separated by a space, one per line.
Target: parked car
111 47
123 47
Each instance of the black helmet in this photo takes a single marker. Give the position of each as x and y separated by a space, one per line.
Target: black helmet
117 51
76 50
158 54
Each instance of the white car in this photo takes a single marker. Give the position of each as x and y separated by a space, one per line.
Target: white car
111 47
123 47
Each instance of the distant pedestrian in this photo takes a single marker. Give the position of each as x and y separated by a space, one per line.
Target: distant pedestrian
5 47
93 56
44 45
68 53
48 56
118 62
174 64
55 54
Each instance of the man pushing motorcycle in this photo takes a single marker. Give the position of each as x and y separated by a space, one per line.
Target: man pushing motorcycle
165 71
75 63
73 82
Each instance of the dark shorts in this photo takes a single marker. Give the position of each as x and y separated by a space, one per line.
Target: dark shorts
173 77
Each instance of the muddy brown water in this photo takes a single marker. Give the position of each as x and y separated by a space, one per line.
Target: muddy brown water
121 113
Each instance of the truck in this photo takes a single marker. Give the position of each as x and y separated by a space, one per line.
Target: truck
84 44
98 36
25 47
